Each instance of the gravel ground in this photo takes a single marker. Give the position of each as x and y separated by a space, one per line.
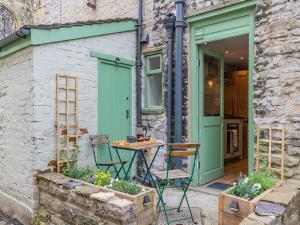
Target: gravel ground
5 220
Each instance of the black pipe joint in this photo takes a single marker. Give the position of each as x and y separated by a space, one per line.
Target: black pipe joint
180 1
169 23
181 23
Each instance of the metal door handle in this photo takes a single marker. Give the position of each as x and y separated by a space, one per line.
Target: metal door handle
127 114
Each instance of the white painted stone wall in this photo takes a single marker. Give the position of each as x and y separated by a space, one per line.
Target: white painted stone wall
27 113
73 57
17 139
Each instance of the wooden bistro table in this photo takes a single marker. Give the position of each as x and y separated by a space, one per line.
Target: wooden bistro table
141 147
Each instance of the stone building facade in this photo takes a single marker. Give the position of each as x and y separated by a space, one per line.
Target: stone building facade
276 73
27 94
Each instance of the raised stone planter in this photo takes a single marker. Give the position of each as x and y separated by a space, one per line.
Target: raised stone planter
145 203
233 209
90 204
280 207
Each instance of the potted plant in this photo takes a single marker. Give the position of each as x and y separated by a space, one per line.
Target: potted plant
239 201
143 197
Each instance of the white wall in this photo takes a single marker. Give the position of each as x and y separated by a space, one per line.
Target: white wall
73 58
17 141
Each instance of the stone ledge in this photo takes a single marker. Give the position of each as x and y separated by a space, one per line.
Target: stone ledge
280 207
80 204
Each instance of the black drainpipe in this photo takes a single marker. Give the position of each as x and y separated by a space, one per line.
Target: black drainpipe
23 32
169 23
139 64
180 25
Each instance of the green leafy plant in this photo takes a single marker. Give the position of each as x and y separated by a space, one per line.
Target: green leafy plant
102 178
252 186
125 187
83 174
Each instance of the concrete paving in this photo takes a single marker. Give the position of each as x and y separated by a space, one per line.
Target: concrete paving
208 202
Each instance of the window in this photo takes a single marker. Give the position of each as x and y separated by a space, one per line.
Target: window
153 82
8 21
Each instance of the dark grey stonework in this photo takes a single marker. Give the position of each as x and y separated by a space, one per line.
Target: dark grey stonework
276 67
277 73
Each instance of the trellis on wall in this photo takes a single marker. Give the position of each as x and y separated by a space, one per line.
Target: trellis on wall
271 147
67 135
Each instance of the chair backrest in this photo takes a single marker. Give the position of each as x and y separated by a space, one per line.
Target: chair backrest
182 150
176 150
97 139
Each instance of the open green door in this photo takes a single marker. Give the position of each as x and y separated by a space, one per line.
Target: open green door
114 104
211 115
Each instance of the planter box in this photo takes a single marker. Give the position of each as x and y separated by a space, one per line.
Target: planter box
234 216
146 213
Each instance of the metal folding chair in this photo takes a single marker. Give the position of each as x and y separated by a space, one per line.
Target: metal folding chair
172 178
96 141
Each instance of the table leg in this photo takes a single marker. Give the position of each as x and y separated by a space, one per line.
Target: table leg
148 171
147 167
122 164
130 165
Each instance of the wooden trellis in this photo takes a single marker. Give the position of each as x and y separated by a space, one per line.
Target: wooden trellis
271 141
66 120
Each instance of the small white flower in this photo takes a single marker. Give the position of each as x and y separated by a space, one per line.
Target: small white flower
246 180
117 179
234 184
143 189
257 186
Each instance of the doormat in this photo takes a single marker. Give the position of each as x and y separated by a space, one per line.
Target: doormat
219 186
184 213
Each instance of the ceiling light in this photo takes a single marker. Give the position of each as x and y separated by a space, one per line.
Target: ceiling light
226 52
242 58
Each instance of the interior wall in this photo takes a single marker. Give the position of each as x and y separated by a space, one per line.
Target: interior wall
236 94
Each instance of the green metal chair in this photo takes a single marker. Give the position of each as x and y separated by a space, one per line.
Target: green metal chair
172 178
97 140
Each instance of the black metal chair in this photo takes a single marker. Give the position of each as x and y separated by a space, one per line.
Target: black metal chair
96 141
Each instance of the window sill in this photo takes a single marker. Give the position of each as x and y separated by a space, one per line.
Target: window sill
148 111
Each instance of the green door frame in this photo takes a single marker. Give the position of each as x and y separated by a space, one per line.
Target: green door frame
127 63
241 15
120 62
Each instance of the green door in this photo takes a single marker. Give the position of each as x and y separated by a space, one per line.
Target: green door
211 115
114 104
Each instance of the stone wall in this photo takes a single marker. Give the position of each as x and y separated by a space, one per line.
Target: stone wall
27 115
17 139
154 13
277 73
64 11
280 207
73 58
80 206
22 9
